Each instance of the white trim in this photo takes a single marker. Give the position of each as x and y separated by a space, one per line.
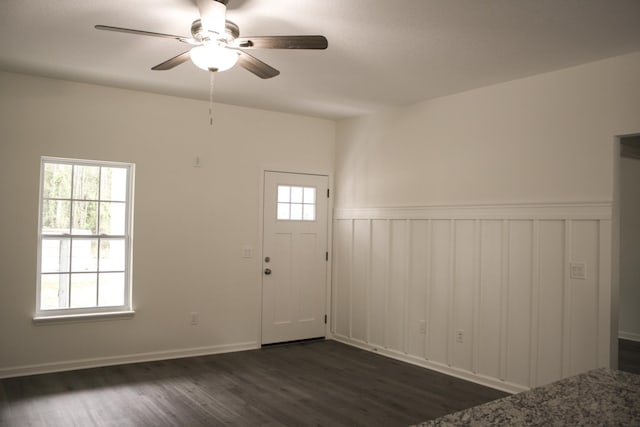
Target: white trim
614 301
351 258
534 298
329 270
434 366
83 313
566 300
503 355
631 336
614 310
476 294
48 320
17 371
451 294
540 211
604 293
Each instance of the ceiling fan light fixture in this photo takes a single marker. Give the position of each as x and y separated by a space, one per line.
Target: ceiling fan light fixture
213 57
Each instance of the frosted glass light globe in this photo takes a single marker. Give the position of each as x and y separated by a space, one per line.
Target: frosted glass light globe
213 57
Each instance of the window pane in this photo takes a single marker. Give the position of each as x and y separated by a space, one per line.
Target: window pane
111 290
53 291
84 255
83 290
296 194
86 181
57 181
284 193
112 218
85 215
309 212
309 195
54 255
84 245
112 255
56 215
113 184
296 211
283 211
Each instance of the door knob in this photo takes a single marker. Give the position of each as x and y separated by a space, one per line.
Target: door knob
267 271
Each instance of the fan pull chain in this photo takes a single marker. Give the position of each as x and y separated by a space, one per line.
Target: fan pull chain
211 81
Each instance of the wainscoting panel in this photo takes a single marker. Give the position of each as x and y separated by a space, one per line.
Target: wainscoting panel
342 267
359 290
490 358
419 285
482 292
583 296
439 306
379 282
550 301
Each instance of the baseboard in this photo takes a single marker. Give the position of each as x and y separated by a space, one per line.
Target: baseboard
434 366
629 336
70 365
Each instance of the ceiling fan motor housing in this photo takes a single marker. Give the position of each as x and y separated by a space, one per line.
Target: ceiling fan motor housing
213 15
231 32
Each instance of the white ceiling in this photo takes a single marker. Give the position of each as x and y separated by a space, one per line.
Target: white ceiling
381 53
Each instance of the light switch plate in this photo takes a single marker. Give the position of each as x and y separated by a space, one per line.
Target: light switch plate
247 252
578 270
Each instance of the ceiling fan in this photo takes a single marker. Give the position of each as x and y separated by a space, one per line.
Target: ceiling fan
216 44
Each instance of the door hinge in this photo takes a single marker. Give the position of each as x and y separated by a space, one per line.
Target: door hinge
326 256
325 319
327 193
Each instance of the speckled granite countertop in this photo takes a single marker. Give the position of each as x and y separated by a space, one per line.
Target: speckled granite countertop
602 397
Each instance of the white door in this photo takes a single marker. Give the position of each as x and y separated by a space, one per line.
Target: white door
294 251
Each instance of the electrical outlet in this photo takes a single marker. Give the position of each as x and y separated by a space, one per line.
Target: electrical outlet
459 336
195 318
422 327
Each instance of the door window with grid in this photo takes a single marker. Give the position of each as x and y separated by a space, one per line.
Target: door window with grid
296 203
84 252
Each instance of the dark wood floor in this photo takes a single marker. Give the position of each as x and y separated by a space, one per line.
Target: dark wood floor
320 383
629 356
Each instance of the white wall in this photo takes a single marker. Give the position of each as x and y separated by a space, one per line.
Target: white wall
547 138
190 226
516 183
629 326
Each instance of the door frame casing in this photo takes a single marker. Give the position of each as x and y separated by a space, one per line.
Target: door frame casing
615 254
615 247
260 254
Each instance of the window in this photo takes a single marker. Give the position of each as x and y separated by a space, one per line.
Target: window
296 203
84 253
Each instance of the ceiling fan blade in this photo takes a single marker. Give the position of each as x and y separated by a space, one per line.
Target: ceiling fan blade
173 62
257 67
282 42
188 40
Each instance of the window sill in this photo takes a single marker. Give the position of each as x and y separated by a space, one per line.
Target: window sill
70 318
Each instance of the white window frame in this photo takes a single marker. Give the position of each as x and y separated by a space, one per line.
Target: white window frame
125 310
